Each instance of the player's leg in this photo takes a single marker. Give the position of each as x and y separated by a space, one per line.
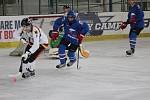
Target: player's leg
71 54
62 55
132 40
24 64
30 68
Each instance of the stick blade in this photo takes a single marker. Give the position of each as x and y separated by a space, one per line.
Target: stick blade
84 53
14 77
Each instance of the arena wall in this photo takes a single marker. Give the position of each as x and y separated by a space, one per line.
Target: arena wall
103 26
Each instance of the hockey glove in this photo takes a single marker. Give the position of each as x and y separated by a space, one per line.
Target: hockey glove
23 40
50 33
80 38
54 35
26 55
123 25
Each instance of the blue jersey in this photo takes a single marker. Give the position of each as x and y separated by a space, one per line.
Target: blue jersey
71 29
139 16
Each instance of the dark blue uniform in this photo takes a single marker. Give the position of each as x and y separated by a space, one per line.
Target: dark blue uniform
136 11
71 30
70 39
136 21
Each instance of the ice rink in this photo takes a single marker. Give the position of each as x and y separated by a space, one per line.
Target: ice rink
106 75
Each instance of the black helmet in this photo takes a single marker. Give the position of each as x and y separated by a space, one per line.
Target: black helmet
26 22
66 7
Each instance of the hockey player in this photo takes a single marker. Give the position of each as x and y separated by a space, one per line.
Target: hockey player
55 43
66 8
74 32
37 41
136 21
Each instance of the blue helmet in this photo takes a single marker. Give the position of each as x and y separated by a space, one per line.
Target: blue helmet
71 13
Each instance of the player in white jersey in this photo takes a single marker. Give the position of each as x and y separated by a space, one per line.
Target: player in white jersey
36 42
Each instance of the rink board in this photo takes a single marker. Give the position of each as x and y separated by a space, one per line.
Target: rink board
103 26
86 39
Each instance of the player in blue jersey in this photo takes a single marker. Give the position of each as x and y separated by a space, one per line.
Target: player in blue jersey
136 21
54 44
74 32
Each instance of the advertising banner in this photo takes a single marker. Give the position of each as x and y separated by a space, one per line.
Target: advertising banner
106 23
8 25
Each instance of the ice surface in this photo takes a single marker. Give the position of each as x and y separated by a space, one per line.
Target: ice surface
106 75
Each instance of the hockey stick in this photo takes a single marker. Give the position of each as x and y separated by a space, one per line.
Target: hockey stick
14 76
78 58
21 65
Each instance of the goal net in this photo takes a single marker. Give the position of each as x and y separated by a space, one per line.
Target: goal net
43 21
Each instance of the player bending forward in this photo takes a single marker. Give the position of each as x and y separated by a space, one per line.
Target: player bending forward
74 32
37 41
136 21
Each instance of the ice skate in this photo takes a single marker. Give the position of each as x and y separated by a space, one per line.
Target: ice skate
60 66
28 73
130 52
70 63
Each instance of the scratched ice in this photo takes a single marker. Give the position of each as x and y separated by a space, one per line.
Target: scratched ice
106 75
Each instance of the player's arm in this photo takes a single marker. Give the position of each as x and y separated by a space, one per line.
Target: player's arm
53 34
135 14
123 25
132 19
34 47
83 32
36 44
57 24
85 28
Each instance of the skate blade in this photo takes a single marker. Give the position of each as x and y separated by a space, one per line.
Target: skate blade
15 75
129 55
60 67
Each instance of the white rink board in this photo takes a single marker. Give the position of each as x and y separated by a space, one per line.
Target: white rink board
9 24
108 17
